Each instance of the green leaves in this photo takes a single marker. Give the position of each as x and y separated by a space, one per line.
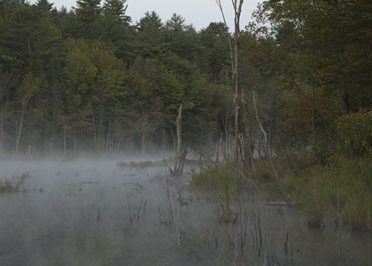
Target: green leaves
94 73
355 131
30 85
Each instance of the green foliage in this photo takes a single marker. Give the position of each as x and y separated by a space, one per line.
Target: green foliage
29 86
100 82
116 10
355 130
310 60
342 187
175 23
88 10
214 40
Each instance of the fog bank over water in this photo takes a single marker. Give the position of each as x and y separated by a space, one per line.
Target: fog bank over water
92 212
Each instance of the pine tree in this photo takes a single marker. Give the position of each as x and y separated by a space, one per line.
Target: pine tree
116 10
88 13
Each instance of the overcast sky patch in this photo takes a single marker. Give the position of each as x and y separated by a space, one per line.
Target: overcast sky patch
199 13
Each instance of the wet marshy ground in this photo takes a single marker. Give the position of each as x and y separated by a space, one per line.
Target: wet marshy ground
96 213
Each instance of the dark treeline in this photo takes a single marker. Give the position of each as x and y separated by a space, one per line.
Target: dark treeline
90 79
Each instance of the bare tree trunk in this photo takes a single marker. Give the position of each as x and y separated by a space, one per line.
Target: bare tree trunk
143 142
259 122
234 57
236 132
64 138
251 153
237 4
163 141
267 148
219 4
20 130
180 153
173 138
94 130
179 131
226 129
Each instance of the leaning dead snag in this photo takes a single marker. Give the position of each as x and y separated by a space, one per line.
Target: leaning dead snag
180 153
267 147
29 87
219 4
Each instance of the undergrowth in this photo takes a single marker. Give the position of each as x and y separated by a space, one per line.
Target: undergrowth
337 188
342 189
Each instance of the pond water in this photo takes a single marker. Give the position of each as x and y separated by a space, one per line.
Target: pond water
95 213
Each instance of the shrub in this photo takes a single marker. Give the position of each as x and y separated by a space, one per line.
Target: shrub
343 187
355 131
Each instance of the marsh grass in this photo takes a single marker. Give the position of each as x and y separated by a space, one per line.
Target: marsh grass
338 189
342 189
15 184
224 181
6 186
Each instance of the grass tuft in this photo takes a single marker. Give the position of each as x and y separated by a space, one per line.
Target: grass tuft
224 181
6 187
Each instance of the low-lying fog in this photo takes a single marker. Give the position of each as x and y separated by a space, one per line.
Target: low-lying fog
92 212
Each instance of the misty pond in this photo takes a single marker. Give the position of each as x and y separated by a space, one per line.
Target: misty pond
92 212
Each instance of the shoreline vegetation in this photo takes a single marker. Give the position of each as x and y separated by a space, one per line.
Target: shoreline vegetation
338 192
13 185
325 182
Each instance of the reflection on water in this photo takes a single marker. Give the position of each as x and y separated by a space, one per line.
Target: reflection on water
93 213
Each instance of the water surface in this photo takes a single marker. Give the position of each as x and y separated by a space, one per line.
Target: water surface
91 212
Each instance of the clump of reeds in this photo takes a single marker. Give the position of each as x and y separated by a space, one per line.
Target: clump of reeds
16 184
6 186
223 180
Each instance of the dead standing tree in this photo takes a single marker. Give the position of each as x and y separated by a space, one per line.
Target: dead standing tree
234 57
180 152
29 87
266 143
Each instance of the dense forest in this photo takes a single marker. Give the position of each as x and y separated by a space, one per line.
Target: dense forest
89 79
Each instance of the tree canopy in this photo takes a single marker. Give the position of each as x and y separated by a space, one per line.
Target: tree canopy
90 79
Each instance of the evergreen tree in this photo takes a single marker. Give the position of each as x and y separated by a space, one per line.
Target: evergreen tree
117 11
88 14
